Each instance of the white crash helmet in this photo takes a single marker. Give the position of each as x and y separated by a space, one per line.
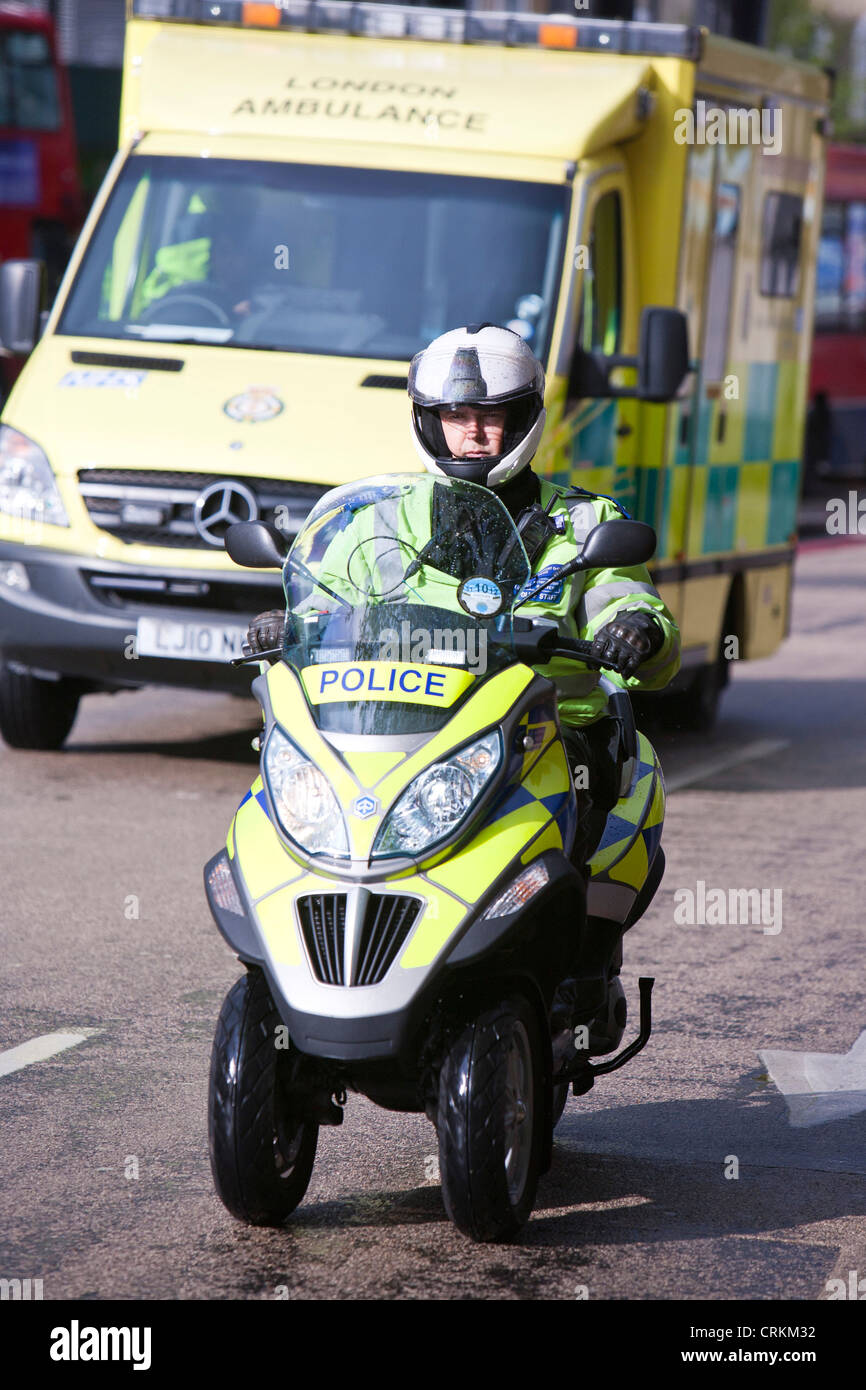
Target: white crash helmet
479 365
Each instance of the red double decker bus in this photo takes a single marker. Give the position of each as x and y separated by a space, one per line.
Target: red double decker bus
41 204
836 425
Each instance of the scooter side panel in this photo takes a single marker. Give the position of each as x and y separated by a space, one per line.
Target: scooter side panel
630 841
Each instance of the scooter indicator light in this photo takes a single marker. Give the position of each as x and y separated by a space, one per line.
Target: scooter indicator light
223 888
518 894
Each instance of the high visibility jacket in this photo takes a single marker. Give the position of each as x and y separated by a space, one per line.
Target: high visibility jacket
585 602
580 604
179 264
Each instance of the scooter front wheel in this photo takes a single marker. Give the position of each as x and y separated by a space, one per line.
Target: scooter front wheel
489 1121
261 1157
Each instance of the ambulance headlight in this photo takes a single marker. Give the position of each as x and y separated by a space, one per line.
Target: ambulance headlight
304 801
27 486
439 799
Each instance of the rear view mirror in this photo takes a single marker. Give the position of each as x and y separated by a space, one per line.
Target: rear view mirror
610 545
22 288
256 545
662 362
617 544
663 354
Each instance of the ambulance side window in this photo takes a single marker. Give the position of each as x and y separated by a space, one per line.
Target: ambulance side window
599 327
720 292
781 234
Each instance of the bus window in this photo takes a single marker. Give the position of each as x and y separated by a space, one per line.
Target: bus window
830 270
855 266
29 99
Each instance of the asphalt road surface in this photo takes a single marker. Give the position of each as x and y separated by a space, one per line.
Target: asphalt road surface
687 1175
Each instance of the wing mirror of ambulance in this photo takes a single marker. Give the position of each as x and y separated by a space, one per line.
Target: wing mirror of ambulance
22 290
662 361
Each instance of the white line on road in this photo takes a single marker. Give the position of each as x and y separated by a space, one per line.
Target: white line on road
761 748
820 1086
38 1049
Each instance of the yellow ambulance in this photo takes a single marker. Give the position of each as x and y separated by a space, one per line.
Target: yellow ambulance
305 195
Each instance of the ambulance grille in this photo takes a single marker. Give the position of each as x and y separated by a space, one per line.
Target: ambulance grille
157 507
388 920
182 592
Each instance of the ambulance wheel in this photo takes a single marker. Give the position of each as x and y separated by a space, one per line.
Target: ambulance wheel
698 707
36 713
489 1120
261 1158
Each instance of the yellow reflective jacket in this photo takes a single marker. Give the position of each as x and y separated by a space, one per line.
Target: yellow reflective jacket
580 604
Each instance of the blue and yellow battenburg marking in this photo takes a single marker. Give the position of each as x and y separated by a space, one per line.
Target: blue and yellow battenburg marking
385 680
536 812
633 829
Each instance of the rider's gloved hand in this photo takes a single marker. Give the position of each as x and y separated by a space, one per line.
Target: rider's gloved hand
265 632
627 640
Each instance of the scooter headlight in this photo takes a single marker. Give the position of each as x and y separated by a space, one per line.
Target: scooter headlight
439 799
306 806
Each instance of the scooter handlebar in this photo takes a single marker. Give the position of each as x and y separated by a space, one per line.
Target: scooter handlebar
540 642
582 651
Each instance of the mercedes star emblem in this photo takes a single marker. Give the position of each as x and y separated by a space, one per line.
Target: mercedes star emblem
219 507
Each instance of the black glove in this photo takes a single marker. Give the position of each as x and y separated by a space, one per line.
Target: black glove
265 632
629 639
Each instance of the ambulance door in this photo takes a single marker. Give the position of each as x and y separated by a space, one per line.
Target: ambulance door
595 440
710 441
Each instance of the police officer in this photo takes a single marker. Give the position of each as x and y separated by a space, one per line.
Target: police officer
478 414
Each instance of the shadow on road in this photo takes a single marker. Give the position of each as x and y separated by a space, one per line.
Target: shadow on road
219 748
599 1197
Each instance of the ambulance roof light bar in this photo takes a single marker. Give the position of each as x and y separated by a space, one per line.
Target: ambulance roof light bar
384 21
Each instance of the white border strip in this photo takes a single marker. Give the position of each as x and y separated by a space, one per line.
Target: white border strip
38 1049
762 748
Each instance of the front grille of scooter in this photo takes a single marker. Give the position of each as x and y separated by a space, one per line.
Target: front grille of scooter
323 922
387 923
388 920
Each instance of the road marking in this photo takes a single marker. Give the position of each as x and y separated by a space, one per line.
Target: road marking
38 1049
761 748
612 1204
820 1086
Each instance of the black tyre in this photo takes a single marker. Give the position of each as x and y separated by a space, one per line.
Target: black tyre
489 1121
261 1158
36 713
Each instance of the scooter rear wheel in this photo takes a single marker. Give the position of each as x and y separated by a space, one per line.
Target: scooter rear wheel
489 1121
261 1158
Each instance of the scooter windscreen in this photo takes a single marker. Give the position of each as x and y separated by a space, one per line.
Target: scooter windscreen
399 593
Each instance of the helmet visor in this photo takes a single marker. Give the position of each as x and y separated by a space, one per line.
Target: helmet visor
461 432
